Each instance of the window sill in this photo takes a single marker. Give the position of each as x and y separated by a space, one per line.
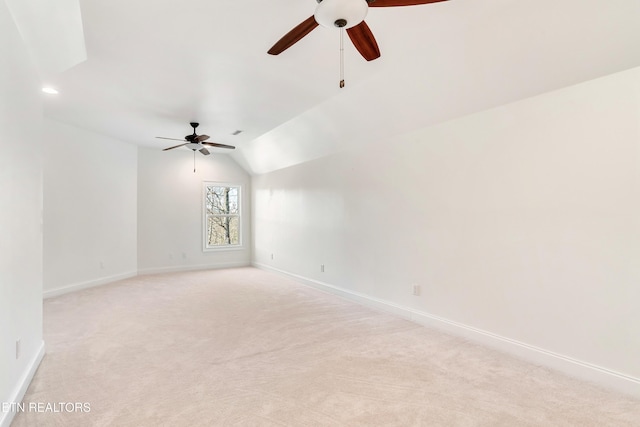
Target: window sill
224 248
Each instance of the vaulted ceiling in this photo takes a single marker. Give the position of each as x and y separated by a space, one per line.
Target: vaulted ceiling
152 66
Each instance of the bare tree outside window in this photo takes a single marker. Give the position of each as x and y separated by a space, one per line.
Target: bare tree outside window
222 216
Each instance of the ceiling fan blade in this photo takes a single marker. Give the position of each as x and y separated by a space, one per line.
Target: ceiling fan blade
171 139
215 144
175 146
392 3
201 138
293 36
363 40
204 151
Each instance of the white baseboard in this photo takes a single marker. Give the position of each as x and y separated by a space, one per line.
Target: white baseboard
145 271
179 268
576 368
23 384
88 284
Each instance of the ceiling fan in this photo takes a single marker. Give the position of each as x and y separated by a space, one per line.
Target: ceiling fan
196 142
347 14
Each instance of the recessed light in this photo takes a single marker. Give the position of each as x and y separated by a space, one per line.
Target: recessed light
50 90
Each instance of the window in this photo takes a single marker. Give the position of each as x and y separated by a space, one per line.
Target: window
221 215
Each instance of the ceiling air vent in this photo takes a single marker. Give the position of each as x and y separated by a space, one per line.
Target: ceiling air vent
237 132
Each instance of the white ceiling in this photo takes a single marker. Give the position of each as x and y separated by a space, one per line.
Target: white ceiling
155 65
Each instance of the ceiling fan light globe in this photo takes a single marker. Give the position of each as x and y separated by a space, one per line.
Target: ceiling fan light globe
193 146
328 12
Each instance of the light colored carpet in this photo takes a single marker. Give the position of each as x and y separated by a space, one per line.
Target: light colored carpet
251 348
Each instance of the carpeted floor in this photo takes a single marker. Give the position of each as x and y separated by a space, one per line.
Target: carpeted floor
251 348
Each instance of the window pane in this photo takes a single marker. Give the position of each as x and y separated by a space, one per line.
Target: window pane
222 200
223 230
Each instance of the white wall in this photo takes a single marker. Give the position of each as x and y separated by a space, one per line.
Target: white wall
522 221
20 215
170 210
90 208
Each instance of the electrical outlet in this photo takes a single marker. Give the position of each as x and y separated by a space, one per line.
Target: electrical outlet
416 290
271 256
17 349
101 265
321 268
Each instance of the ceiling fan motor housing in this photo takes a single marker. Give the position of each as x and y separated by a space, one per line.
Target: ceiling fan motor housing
341 13
191 137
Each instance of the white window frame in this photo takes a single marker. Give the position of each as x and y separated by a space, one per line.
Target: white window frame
205 246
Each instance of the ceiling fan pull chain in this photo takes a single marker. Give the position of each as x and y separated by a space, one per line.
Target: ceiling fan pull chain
194 161
341 57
